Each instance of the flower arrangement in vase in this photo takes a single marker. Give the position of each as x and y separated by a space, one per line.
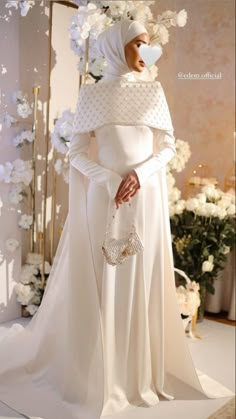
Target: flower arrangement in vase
203 231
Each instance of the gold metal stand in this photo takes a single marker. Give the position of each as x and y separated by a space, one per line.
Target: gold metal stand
47 137
34 229
86 60
53 208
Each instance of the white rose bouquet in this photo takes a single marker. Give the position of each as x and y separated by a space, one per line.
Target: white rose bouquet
203 234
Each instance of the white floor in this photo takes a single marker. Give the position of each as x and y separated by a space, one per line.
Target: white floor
214 354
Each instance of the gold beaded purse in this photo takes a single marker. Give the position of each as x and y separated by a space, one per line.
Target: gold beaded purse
116 251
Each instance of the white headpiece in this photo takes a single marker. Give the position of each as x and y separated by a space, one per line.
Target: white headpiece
111 43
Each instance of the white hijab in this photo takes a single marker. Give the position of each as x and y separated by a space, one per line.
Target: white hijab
111 43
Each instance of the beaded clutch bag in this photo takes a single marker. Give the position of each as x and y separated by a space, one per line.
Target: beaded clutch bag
116 251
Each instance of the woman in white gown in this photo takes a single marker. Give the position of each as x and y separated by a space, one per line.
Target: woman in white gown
109 337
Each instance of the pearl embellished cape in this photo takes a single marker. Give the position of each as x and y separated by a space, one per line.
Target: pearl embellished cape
122 102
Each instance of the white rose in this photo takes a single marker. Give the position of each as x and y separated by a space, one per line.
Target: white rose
32 309
163 34
221 213
231 210
24 110
208 265
58 143
208 210
22 172
24 293
65 129
170 180
211 192
201 197
225 249
223 203
47 267
211 209
25 221
192 204
27 274
180 206
182 155
174 194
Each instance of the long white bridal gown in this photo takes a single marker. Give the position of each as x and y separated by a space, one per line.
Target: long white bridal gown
145 349
106 337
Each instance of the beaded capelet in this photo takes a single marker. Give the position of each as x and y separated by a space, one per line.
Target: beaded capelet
122 103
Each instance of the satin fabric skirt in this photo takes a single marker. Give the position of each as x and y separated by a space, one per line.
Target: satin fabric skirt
131 294
130 299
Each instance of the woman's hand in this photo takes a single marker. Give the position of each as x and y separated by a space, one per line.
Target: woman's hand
127 189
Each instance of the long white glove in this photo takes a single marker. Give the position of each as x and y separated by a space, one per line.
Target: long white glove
166 152
78 155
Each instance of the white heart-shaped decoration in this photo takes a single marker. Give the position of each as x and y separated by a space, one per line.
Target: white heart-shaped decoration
150 54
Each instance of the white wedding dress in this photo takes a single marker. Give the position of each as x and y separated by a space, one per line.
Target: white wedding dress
131 296
60 367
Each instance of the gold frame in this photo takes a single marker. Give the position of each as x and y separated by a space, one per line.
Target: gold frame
47 138
35 234
34 228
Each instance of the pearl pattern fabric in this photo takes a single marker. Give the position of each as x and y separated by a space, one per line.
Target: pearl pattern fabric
122 102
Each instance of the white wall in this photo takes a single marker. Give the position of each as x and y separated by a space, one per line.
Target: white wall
9 81
203 111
